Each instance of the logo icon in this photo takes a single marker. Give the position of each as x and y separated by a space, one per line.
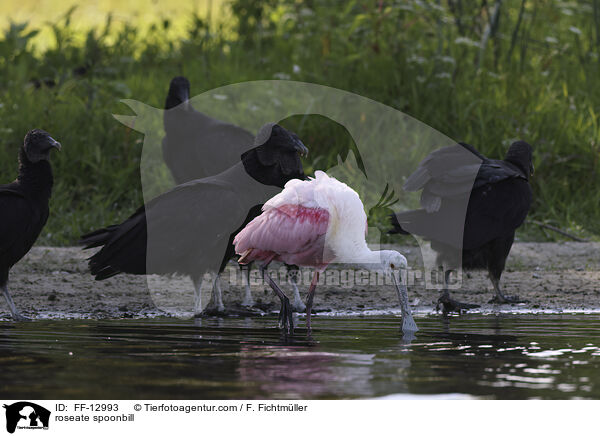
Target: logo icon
26 415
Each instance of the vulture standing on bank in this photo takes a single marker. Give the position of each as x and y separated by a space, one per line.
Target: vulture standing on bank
499 199
24 206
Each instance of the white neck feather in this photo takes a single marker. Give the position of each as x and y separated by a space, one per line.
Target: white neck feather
361 257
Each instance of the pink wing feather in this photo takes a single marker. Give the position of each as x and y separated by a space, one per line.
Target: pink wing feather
290 233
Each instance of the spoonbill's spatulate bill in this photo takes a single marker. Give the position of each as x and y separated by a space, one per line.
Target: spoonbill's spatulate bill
24 206
499 200
314 223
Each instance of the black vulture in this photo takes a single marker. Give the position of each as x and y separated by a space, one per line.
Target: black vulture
24 205
181 230
499 199
196 146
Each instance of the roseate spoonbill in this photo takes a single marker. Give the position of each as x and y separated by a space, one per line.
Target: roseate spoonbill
500 197
314 223
24 206
196 146
181 230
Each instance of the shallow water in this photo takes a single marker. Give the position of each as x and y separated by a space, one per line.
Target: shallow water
484 356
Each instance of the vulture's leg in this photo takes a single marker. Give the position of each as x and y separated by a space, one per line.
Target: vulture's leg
197 296
292 272
11 305
215 306
248 301
500 297
449 304
309 300
496 264
217 294
286 320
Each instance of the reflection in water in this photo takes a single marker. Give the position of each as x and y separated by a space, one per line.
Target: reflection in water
493 356
281 372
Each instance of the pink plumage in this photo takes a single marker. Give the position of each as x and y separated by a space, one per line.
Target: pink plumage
290 233
294 225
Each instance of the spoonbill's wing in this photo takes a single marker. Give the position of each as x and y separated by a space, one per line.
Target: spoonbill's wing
293 234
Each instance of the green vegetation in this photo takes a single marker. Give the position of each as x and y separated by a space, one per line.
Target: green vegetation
483 72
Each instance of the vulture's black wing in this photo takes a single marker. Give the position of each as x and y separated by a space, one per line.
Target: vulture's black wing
496 210
498 197
15 233
444 173
448 173
184 230
444 165
494 171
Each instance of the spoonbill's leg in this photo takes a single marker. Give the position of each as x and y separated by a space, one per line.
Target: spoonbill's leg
448 304
11 305
292 273
286 320
248 301
500 297
309 300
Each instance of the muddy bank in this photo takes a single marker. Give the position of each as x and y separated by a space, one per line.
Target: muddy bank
54 283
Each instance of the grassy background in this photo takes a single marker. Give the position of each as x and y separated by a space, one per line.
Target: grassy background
480 71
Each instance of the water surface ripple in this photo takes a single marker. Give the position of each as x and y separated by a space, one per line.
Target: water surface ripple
481 356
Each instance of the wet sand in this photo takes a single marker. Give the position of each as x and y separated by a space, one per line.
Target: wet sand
54 283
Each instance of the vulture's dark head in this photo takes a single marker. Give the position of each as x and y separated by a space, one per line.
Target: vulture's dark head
179 92
275 158
38 144
520 154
